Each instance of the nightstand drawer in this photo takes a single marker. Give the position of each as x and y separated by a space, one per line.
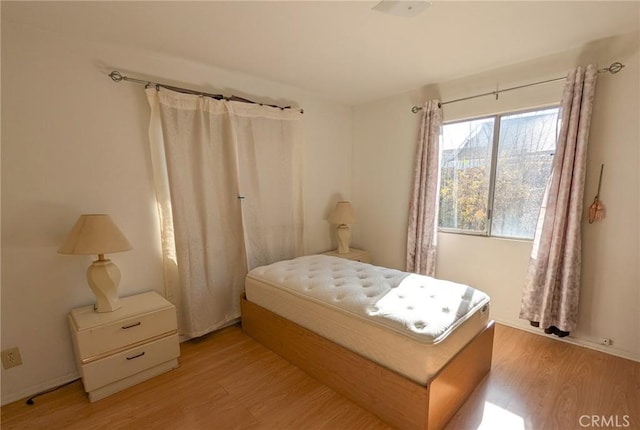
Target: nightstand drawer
115 367
119 334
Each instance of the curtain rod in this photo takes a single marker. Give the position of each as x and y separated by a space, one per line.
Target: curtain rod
116 76
613 69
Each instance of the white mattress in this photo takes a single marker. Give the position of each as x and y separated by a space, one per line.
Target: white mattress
409 323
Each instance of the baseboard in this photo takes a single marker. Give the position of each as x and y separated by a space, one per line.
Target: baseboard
586 343
35 389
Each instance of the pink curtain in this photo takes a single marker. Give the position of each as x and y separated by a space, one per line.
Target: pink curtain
423 207
552 287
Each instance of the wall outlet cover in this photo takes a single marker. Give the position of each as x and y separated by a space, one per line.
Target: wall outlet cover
11 358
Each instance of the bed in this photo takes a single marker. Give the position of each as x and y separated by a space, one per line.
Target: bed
407 347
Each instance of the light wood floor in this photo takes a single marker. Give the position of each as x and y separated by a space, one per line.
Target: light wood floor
228 381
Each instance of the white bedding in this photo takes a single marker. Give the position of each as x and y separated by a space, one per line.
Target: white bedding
409 323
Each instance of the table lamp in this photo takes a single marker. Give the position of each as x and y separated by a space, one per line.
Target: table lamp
343 215
97 234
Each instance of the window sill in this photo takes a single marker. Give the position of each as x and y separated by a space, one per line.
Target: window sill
484 236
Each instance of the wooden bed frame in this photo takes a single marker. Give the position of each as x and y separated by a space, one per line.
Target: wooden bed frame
395 399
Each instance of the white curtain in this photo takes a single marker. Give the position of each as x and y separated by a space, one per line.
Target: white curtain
209 239
552 288
270 166
422 233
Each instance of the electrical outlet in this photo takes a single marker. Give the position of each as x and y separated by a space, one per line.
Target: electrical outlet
607 341
11 358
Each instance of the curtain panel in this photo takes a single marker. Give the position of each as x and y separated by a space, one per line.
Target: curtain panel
220 199
422 233
270 161
552 287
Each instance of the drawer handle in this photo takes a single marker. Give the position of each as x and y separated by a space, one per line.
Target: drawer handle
124 327
135 356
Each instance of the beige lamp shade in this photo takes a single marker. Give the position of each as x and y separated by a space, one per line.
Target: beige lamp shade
343 213
94 234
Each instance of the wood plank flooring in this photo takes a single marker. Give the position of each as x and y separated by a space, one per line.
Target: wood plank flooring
228 381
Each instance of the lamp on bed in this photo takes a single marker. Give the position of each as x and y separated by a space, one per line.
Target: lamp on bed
343 215
97 234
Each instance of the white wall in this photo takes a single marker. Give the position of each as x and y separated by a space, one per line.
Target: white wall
385 135
75 142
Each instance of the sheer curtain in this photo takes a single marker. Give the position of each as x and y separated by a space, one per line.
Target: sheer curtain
198 147
270 166
551 293
423 207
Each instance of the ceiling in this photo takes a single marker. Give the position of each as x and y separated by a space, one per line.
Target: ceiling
343 50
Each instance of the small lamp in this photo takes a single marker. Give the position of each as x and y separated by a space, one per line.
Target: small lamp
97 234
343 215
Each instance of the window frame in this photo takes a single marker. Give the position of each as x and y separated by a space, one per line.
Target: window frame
497 119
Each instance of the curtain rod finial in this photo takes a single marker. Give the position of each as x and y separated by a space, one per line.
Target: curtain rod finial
615 67
116 76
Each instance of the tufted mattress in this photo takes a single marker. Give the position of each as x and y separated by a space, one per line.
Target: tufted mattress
409 323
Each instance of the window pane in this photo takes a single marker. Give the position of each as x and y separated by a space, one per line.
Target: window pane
526 145
464 174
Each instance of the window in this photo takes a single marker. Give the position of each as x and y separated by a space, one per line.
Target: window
494 171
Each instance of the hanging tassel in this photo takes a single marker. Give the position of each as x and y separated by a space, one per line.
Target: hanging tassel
596 210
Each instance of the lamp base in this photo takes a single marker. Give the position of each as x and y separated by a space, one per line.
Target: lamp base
343 234
103 277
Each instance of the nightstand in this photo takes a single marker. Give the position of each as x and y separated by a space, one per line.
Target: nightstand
115 350
353 254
